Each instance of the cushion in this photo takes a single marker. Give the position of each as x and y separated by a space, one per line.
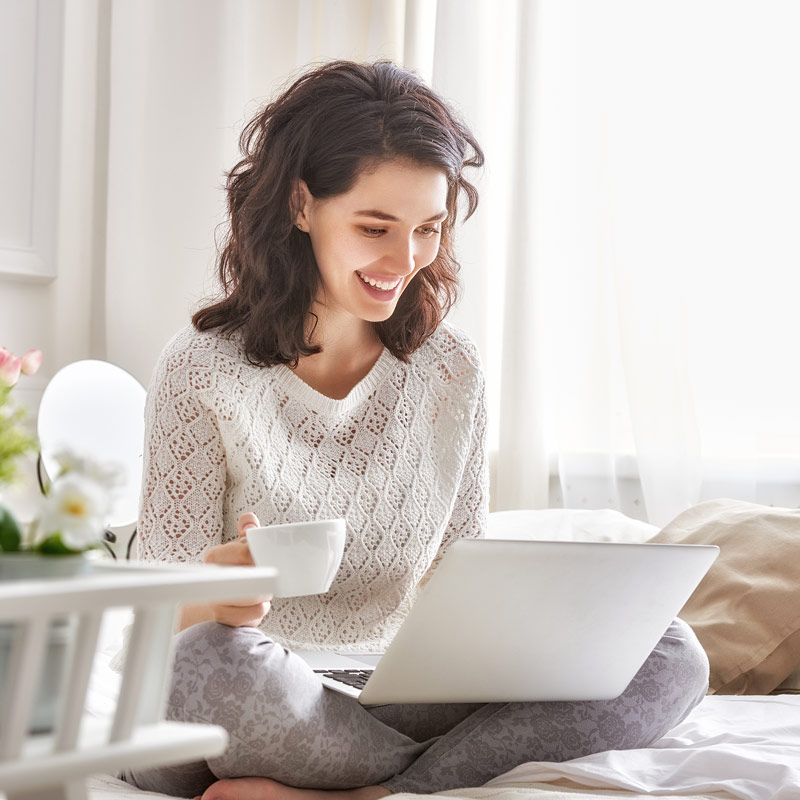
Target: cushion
568 524
746 610
791 685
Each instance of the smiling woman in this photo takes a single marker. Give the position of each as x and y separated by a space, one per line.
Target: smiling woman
326 384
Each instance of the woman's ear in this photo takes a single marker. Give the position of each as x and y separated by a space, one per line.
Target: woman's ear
301 201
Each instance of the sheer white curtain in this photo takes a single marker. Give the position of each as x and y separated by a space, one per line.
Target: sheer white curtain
630 275
666 254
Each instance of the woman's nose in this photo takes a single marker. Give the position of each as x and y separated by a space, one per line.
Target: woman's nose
403 257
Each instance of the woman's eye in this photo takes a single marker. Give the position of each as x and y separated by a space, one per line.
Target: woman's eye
429 231
426 232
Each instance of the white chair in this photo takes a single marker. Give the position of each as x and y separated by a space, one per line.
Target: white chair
55 765
96 409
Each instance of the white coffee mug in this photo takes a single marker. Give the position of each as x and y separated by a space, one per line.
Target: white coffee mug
307 555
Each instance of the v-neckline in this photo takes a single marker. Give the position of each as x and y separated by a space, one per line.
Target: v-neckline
332 405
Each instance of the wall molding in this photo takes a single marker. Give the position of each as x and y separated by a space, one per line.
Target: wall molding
29 251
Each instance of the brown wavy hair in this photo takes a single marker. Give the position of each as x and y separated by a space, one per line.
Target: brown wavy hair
326 128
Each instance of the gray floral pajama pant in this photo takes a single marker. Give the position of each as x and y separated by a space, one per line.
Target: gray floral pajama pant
284 725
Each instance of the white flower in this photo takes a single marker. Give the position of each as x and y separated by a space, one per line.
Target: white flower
109 475
75 507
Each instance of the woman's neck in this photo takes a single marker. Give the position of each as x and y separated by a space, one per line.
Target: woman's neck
349 351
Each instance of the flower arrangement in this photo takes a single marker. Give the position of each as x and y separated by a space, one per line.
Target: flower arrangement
75 506
14 442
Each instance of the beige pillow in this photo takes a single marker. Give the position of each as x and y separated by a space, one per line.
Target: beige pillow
746 611
790 686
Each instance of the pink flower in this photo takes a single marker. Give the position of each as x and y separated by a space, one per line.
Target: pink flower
10 367
31 362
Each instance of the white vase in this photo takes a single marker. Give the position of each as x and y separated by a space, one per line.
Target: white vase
34 566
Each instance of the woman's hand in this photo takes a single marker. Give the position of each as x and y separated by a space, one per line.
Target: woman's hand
248 612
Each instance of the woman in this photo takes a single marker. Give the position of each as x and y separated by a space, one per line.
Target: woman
325 384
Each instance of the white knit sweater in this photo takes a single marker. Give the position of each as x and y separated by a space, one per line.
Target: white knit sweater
402 458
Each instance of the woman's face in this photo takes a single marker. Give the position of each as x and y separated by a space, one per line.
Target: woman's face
371 241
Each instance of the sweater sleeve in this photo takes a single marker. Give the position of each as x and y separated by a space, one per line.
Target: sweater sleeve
469 515
468 520
181 512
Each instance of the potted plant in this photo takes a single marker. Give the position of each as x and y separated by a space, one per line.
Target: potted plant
73 508
69 524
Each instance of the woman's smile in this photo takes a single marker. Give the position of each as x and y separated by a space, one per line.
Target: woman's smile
379 281
384 288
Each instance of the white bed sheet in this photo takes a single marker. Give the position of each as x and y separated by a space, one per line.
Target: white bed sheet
746 746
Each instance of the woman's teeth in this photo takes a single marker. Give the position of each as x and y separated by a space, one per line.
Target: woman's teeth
385 286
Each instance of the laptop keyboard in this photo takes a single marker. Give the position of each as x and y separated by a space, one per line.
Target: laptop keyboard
352 677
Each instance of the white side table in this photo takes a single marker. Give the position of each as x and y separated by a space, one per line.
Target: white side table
54 766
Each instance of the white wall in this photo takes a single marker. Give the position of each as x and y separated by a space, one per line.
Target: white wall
48 240
29 180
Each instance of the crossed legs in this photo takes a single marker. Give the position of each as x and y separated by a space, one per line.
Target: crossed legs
286 728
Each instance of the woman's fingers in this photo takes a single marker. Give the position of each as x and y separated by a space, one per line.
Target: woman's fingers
236 554
248 612
246 520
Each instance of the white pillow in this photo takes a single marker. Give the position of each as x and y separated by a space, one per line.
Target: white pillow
568 524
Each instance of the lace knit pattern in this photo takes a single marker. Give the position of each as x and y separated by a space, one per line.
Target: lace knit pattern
402 458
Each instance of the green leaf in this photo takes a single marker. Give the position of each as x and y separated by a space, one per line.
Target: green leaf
54 546
14 441
10 534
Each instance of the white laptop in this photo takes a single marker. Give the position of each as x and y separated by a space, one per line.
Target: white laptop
505 620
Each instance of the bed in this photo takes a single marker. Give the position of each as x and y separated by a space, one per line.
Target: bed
729 747
742 741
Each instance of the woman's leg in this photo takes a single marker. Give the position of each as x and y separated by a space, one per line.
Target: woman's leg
499 736
282 723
